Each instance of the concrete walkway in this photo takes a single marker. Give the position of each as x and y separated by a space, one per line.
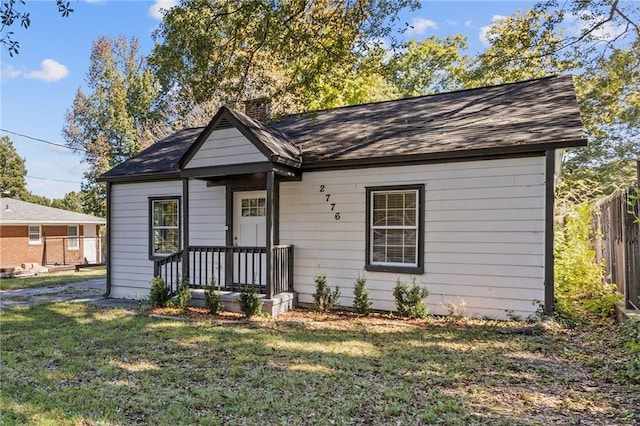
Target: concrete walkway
90 291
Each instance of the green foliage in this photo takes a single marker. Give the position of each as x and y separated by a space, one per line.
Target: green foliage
410 301
159 295
631 337
212 298
361 301
184 294
261 48
250 303
580 291
324 298
112 122
12 171
427 66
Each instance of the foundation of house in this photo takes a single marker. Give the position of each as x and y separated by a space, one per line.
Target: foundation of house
278 304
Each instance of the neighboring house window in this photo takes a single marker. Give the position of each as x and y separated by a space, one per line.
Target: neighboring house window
35 234
254 207
73 242
165 226
395 229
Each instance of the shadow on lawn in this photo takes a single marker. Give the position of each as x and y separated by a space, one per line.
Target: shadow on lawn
83 364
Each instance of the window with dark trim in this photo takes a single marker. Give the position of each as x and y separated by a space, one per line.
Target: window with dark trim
395 229
164 224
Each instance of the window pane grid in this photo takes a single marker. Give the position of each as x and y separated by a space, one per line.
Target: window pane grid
34 234
394 227
253 207
166 227
73 242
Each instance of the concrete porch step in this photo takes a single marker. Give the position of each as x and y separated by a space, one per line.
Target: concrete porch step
278 304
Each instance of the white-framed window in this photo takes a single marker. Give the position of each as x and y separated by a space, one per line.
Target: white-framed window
395 236
73 242
256 206
35 234
165 226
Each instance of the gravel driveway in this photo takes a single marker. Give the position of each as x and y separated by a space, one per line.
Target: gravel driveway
82 291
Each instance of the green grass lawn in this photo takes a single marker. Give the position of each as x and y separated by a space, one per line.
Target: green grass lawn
53 279
79 364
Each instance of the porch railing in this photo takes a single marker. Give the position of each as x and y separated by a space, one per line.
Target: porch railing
231 268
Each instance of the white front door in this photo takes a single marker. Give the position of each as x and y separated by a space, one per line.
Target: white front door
250 218
250 230
90 244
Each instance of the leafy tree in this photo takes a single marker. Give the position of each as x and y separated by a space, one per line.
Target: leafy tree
12 171
11 13
428 66
282 50
550 40
113 122
364 82
72 201
580 290
37 199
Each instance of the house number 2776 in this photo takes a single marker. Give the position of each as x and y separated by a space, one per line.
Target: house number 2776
327 199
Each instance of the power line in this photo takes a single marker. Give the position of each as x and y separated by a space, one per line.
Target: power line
40 140
55 180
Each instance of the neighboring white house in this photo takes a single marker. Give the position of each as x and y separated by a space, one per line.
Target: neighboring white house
454 189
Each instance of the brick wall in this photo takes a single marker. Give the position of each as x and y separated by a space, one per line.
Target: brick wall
16 250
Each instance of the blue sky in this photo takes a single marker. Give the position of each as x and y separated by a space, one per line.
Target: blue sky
39 84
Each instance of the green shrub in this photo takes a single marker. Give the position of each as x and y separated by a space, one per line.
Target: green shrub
250 303
631 338
184 295
410 301
580 290
324 298
212 298
361 301
159 295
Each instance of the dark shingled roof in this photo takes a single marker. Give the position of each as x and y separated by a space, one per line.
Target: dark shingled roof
508 119
514 116
159 159
277 142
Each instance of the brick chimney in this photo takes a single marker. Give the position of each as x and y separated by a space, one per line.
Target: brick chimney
258 109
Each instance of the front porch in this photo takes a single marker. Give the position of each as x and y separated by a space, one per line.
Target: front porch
232 269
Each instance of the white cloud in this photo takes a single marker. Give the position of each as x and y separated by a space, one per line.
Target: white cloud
159 7
420 26
49 72
484 30
579 23
468 24
9 72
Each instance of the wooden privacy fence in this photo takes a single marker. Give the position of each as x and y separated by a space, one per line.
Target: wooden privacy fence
618 243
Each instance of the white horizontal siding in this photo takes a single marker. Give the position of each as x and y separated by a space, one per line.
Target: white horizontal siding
484 233
225 147
131 270
207 218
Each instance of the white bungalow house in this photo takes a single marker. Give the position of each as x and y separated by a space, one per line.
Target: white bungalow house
454 189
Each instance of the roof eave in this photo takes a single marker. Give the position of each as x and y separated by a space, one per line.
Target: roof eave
140 177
